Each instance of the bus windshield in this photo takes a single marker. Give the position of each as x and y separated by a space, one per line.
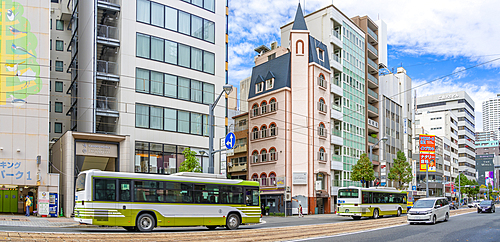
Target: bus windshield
348 193
423 204
80 182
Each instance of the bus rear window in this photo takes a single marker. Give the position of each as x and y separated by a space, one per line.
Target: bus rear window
80 182
348 193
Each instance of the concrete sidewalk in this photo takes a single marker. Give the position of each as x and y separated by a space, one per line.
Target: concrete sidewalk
34 221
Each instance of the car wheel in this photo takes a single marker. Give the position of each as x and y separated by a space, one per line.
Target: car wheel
356 217
145 223
211 227
434 219
375 213
399 212
478 211
232 222
446 217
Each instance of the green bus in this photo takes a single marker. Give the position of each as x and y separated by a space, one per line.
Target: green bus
375 202
141 202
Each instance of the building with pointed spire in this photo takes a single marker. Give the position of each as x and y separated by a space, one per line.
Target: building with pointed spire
289 118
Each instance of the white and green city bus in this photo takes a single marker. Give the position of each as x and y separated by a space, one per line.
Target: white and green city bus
140 202
357 202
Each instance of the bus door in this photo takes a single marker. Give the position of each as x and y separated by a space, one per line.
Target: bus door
124 203
104 205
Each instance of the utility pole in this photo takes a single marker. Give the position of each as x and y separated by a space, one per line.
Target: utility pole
427 180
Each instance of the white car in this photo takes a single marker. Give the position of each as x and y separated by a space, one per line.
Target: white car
429 210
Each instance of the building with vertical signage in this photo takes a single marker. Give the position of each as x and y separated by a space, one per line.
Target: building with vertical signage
24 106
288 122
485 165
491 117
348 105
462 106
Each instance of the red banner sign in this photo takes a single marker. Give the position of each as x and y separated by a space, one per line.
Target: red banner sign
427 143
428 159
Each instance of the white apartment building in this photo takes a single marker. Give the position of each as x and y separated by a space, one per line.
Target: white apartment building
346 50
462 106
444 125
491 116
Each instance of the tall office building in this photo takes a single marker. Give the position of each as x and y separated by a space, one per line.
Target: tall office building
462 106
396 110
346 50
244 89
485 136
491 117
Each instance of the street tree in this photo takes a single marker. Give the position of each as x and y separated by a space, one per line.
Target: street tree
462 180
473 190
190 164
363 170
400 172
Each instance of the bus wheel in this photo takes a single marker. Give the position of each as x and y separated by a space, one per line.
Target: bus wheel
375 213
145 222
356 217
399 212
232 222
211 227
130 228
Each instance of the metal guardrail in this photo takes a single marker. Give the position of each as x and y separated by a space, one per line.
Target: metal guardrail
336 58
372 78
372 108
106 31
337 132
372 93
336 158
372 64
107 67
337 107
106 103
370 32
370 47
372 140
336 34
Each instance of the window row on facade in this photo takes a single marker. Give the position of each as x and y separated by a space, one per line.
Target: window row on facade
57 127
264 107
157 83
176 20
169 119
206 4
174 53
264 132
264 155
265 179
158 158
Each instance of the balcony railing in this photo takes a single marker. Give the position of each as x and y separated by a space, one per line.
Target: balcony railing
269 108
337 183
372 140
370 32
372 64
336 34
264 157
321 82
240 127
370 47
372 93
374 157
372 108
237 166
372 78
322 156
337 107
107 67
322 107
337 158
322 132
117 2
108 32
336 81
106 103
373 123
265 133
240 148
269 181
335 58
337 132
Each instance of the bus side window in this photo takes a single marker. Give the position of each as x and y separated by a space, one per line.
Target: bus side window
124 190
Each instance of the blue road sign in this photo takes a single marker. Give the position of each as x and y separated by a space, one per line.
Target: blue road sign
230 140
454 190
414 188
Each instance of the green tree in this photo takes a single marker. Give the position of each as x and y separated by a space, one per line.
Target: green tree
190 164
400 171
363 170
472 191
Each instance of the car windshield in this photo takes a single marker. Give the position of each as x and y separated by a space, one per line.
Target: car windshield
485 203
424 204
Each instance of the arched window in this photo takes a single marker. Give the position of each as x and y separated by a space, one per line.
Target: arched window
263 131
299 47
273 105
263 107
321 81
263 179
255 177
321 130
272 179
272 154
263 155
255 133
322 105
255 110
273 131
321 154
255 156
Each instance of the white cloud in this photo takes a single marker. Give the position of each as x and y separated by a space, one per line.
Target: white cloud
478 93
460 72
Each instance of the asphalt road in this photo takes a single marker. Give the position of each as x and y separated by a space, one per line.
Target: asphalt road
469 227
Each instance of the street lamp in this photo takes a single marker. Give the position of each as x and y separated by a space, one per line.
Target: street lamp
371 148
227 89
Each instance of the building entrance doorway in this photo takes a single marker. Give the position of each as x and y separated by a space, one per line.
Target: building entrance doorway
84 163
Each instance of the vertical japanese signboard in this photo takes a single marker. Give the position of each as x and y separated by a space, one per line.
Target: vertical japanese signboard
427 147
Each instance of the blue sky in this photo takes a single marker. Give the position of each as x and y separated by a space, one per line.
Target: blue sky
430 39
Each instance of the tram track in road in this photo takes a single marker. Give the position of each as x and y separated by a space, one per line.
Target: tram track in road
258 234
